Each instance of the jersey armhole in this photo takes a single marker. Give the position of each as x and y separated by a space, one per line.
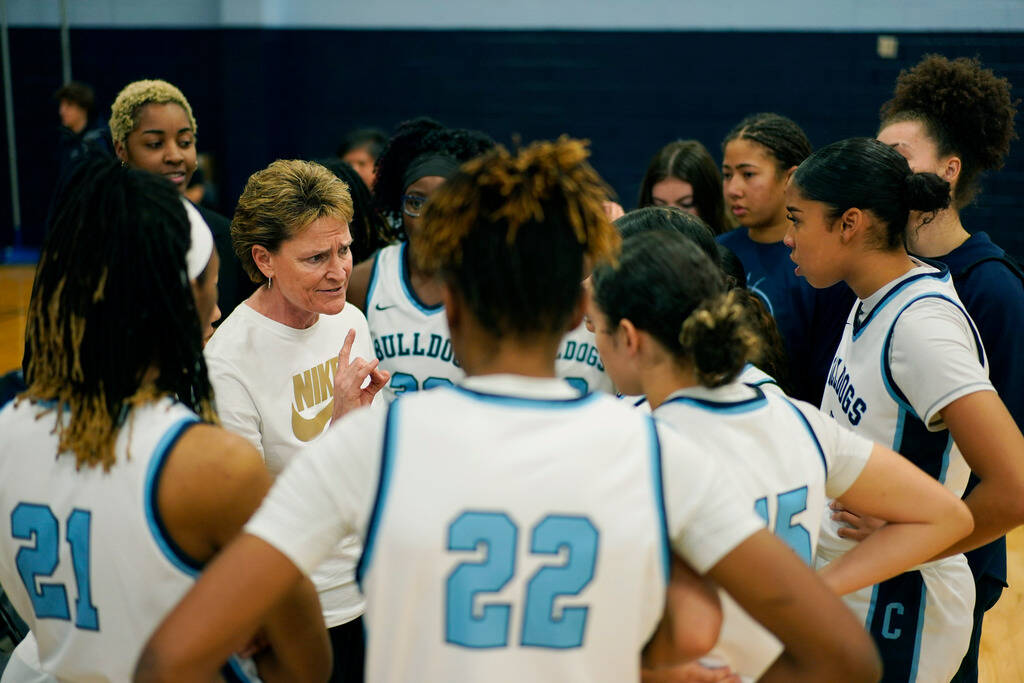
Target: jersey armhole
168 547
383 486
372 285
658 485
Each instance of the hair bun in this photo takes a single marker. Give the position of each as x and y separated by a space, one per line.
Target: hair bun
926 192
719 337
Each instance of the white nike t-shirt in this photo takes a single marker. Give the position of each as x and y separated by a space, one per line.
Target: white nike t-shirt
274 385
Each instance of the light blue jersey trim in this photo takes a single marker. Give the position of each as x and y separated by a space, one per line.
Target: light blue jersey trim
387 460
871 608
725 407
945 459
658 483
918 637
526 402
810 431
156 465
941 276
410 294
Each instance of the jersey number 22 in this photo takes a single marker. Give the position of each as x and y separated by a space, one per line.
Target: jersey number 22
498 534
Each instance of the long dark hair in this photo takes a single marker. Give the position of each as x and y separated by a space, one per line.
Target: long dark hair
689 161
112 301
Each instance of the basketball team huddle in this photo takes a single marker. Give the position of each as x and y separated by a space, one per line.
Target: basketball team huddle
471 421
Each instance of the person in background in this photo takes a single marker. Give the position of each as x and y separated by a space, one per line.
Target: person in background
154 130
759 156
683 175
360 149
370 232
81 135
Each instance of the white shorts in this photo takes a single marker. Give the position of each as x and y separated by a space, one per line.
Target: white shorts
921 620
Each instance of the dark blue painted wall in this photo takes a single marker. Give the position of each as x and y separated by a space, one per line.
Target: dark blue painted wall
266 94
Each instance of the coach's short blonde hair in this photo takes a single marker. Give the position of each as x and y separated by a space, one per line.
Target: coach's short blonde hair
124 114
279 202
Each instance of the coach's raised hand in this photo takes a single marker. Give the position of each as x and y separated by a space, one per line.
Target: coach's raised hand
350 378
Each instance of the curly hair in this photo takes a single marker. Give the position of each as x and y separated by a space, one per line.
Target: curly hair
511 233
411 140
279 202
965 109
124 113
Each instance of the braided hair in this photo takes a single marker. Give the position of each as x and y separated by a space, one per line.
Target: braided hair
111 303
510 233
965 109
782 137
412 140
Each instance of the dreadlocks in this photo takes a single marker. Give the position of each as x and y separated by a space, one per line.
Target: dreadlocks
511 233
112 321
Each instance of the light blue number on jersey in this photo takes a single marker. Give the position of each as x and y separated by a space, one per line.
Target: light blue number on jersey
790 504
540 627
402 382
497 534
50 600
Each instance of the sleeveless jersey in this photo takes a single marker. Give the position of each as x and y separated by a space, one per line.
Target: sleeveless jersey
410 339
921 620
785 457
579 363
538 523
84 555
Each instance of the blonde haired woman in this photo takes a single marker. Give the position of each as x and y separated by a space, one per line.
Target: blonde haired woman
275 362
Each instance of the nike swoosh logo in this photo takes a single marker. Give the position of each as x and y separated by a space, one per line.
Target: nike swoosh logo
384 308
308 429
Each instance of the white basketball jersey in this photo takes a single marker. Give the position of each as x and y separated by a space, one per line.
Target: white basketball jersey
579 363
783 455
84 555
862 394
526 547
410 339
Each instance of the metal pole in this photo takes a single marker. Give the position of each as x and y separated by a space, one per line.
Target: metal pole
65 41
12 153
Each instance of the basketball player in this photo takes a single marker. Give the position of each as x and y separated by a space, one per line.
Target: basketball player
124 486
933 120
685 349
910 371
514 529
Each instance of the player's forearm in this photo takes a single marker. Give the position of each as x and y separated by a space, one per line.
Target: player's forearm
996 512
299 647
892 550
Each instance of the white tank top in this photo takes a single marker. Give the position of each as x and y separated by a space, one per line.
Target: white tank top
84 555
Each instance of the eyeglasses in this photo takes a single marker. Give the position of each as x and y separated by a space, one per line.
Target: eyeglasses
412 204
